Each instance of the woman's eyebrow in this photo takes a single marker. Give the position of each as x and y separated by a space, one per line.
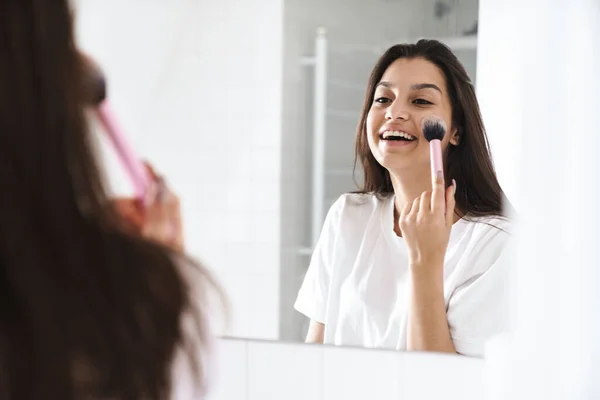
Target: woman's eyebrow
420 86
416 86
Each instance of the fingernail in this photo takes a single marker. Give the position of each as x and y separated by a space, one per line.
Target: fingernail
454 185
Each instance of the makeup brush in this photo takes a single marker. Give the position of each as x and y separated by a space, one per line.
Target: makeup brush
434 129
94 85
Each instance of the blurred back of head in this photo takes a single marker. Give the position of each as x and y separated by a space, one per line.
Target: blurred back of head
87 311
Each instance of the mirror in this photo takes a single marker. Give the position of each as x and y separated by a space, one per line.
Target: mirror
250 111
324 102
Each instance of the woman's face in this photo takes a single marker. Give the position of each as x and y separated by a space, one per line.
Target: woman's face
409 90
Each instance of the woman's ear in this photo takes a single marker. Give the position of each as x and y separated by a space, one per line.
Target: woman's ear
455 138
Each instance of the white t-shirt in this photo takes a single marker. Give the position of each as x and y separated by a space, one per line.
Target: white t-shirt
356 284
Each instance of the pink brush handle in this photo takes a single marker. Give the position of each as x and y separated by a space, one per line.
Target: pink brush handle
135 168
437 163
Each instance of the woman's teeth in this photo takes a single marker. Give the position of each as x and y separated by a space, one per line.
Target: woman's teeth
397 135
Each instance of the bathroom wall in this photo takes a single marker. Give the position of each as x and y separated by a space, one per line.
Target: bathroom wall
536 105
313 372
358 32
198 87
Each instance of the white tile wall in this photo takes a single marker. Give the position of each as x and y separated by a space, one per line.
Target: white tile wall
352 373
198 87
292 371
238 289
260 307
456 377
230 382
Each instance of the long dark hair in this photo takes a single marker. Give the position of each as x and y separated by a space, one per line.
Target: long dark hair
470 162
87 310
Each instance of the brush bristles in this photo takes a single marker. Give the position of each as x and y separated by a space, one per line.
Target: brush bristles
434 128
95 90
94 84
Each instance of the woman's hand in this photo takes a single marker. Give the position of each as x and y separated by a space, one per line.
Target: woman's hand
425 224
158 218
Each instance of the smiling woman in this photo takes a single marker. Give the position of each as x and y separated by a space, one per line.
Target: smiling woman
409 262
434 83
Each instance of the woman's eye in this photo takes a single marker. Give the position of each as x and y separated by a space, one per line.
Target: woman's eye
382 100
421 102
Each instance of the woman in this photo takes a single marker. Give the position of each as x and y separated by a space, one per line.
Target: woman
98 301
392 268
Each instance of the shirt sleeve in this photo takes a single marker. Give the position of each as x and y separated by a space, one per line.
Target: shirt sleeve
479 307
314 292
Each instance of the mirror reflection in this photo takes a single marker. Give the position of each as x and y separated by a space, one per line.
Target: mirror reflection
319 231
409 260
356 290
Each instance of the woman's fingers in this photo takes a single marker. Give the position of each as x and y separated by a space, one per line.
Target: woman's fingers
151 172
156 211
450 203
438 200
158 218
176 226
130 213
405 210
416 206
425 203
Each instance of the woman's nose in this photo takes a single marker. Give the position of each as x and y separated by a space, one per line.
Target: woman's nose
397 111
